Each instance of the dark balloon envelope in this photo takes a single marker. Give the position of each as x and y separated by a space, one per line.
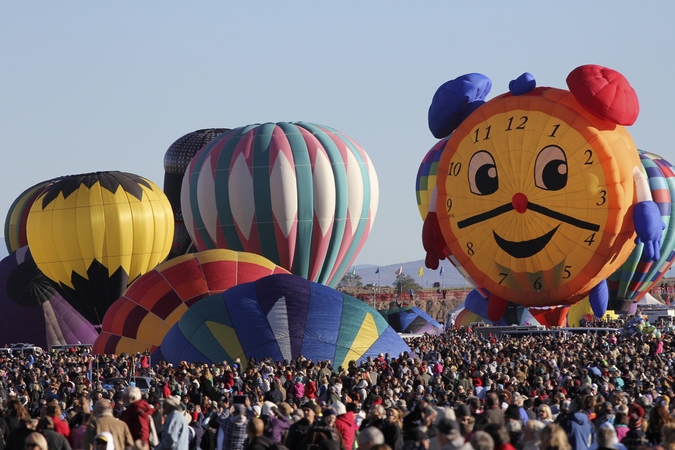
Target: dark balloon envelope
410 319
280 317
32 310
176 160
17 216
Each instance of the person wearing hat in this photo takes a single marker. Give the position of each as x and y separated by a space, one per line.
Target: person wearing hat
346 422
175 431
137 414
298 431
105 421
104 441
635 437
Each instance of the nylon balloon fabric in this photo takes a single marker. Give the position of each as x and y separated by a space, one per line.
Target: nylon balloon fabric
139 320
176 160
94 233
280 317
411 319
32 310
636 276
17 216
302 195
425 182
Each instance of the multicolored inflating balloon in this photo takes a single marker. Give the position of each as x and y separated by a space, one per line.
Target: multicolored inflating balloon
32 310
176 160
537 188
94 233
410 319
17 216
636 276
139 320
280 317
426 177
302 195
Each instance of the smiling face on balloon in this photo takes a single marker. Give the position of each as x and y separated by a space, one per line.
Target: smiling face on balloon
533 196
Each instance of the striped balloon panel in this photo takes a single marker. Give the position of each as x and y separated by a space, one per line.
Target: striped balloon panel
635 277
280 317
302 195
425 182
139 320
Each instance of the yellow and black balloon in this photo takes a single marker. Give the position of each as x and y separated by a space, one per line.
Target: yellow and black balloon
539 192
93 234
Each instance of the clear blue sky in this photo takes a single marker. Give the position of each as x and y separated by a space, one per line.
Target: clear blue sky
88 86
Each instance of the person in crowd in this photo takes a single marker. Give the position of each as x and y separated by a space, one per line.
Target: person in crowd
369 438
232 423
35 441
137 414
105 421
55 441
256 440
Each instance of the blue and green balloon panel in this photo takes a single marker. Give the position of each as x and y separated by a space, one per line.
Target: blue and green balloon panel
410 319
280 317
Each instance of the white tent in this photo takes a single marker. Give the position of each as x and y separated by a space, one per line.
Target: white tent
648 299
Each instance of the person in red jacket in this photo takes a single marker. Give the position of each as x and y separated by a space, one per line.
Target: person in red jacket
137 414
54 411
346 422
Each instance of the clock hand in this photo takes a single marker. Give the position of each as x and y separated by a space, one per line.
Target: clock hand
563 217
485 215
473 220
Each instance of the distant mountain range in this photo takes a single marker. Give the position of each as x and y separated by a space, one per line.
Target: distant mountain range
387 276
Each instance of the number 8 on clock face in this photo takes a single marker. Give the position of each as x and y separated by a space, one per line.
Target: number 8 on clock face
534 195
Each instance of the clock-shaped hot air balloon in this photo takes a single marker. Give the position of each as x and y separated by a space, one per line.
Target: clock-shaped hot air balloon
540 191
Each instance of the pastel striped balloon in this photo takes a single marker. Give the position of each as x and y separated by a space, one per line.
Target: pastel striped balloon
635 277
302 195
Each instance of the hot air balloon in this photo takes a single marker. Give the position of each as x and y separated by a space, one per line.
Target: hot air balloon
426 177
302 195
280 317
139 320
540 192
17 216
410 319
94 233
637 275
176 160
32 310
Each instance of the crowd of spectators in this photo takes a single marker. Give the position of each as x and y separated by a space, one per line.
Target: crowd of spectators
460 390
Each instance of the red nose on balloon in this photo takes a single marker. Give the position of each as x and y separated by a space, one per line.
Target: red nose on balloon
519 202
